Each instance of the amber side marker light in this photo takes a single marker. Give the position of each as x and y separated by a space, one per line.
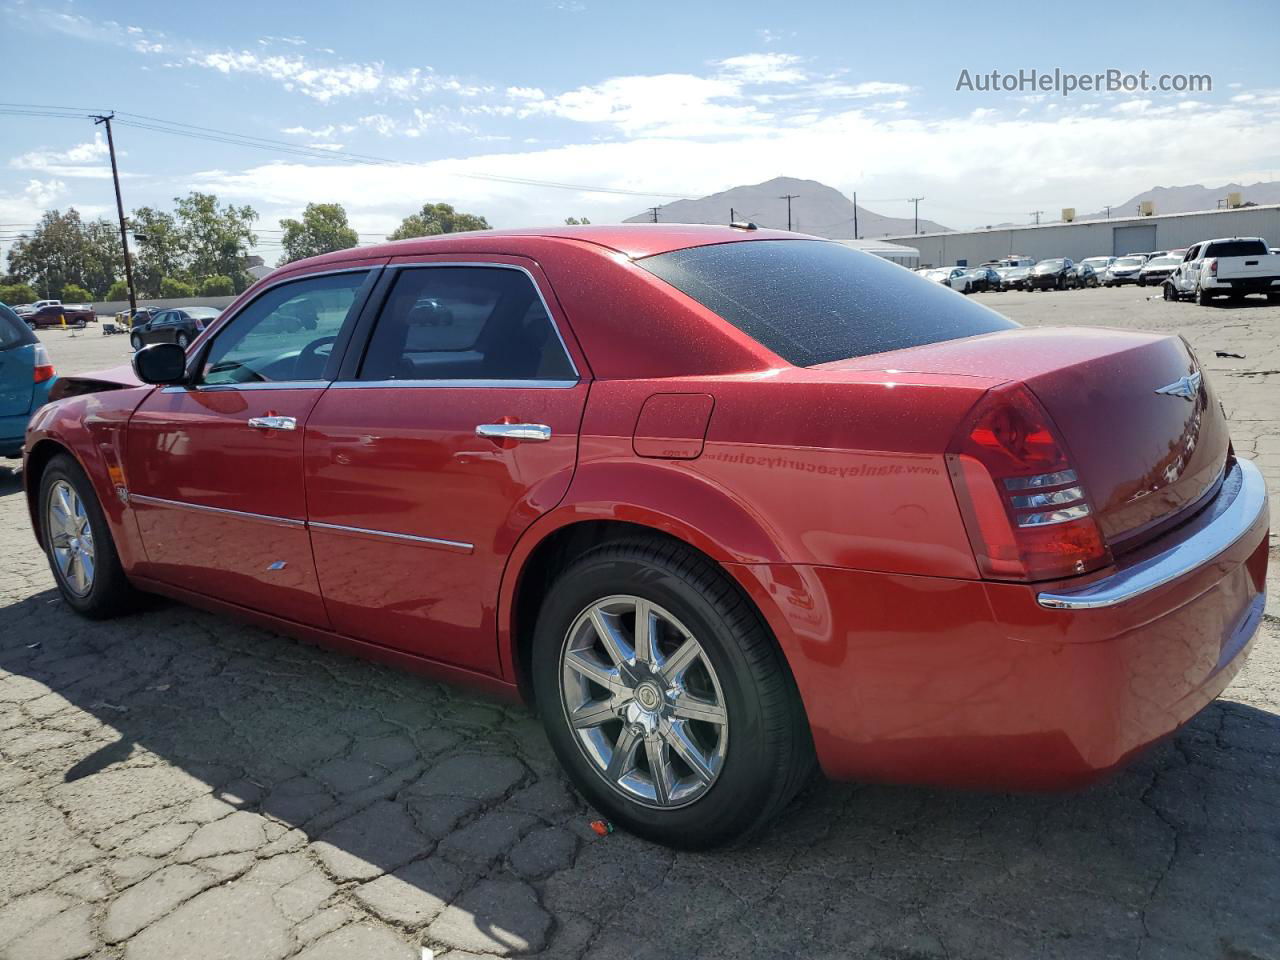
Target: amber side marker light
1023 505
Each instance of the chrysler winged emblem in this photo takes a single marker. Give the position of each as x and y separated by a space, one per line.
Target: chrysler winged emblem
1185 387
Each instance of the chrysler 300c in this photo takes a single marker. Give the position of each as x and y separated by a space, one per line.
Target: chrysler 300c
724 504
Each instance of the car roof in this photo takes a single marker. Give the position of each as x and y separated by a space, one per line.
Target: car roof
633 240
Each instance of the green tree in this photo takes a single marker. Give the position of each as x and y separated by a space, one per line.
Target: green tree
172 288
322 229
436 218
159 250
117 291
216 287
216 239
53 255
576 221
13 294
103 258
74 293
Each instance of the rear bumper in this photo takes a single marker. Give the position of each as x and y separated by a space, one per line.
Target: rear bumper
970 684
1241 284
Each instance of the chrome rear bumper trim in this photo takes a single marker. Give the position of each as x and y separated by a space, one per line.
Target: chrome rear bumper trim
1193 552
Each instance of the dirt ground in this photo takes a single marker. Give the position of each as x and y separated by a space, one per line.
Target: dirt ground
176 785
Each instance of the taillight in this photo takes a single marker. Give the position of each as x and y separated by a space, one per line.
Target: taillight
43 369
1023 504
1213 267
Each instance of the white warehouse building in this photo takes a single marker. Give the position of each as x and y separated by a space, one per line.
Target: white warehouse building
1094 238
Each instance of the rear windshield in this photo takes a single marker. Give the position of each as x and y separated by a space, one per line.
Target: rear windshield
813 302
13 332
1237 248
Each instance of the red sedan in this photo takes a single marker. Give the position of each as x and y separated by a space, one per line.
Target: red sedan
720 502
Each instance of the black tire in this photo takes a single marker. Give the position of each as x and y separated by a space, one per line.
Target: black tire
1203 297
769 753
1273 297
1169 292
135 341
111 594
182 340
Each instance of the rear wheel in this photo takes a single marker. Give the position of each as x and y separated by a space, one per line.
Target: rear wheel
135 340
665 697
78 543
182 340
1204 297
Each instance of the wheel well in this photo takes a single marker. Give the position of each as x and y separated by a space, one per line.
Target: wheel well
37 460
551 556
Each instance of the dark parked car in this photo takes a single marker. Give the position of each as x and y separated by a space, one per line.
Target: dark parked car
179 326
1015 278
985 279
1056 274
1083 275
59 314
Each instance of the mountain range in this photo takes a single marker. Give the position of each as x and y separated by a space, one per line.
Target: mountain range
815 209
1192 197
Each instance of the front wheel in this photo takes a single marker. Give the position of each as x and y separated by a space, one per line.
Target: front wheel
182 340
136 341
665 697
78 543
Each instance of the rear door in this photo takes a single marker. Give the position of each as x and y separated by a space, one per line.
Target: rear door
451 432
215 469
17 367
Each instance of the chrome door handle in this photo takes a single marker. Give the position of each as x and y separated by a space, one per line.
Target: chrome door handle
274 423
536 432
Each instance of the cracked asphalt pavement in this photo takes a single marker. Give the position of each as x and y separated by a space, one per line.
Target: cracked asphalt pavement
177 785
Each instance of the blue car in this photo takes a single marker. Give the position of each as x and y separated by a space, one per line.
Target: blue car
26 375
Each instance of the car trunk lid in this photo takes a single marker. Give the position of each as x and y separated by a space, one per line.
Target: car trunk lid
1144 430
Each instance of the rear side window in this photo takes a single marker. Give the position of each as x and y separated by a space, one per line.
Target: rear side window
1237 248
13 332
813 302
465 323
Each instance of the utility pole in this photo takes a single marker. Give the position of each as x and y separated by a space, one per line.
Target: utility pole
788 197
1036 214
1108 211
855 214
916 201
653 214
732 218
124 233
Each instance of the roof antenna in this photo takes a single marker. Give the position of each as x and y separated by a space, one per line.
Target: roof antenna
743 225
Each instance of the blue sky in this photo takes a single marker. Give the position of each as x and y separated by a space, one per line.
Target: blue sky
678 99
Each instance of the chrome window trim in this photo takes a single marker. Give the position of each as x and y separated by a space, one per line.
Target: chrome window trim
1198 549
270 385
457 545
551 319
510 384
204 508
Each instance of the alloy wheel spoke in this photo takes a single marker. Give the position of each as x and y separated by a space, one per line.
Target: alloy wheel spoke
60 539
86 570
687 707
610 634
646 626
592 714
655 750
623 759
678 739
595 671
681 660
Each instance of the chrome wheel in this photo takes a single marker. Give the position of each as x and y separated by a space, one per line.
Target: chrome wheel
643 701
70 538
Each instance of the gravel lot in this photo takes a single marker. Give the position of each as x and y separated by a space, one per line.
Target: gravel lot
175 785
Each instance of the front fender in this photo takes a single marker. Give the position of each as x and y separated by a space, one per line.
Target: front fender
92 428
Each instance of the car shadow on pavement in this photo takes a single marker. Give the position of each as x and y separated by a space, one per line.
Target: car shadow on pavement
10 479
177 751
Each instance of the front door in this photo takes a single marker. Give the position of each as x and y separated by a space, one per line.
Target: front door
214 469
456 429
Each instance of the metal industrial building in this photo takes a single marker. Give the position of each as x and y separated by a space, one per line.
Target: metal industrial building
905 256
1090 238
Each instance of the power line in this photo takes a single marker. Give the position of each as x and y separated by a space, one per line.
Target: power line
215 135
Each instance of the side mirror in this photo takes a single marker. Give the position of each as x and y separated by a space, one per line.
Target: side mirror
161 363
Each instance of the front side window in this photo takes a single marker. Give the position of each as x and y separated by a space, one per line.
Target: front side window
465 323
284 335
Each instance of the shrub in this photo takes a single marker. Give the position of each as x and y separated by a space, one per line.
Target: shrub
74 293
14 294
171 289
119 290
216 287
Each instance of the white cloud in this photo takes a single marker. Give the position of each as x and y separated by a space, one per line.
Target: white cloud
82 160
763 68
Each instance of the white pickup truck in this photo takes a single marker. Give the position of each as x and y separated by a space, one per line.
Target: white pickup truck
1230 267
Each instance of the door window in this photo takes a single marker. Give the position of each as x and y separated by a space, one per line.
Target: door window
286 334
465 323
